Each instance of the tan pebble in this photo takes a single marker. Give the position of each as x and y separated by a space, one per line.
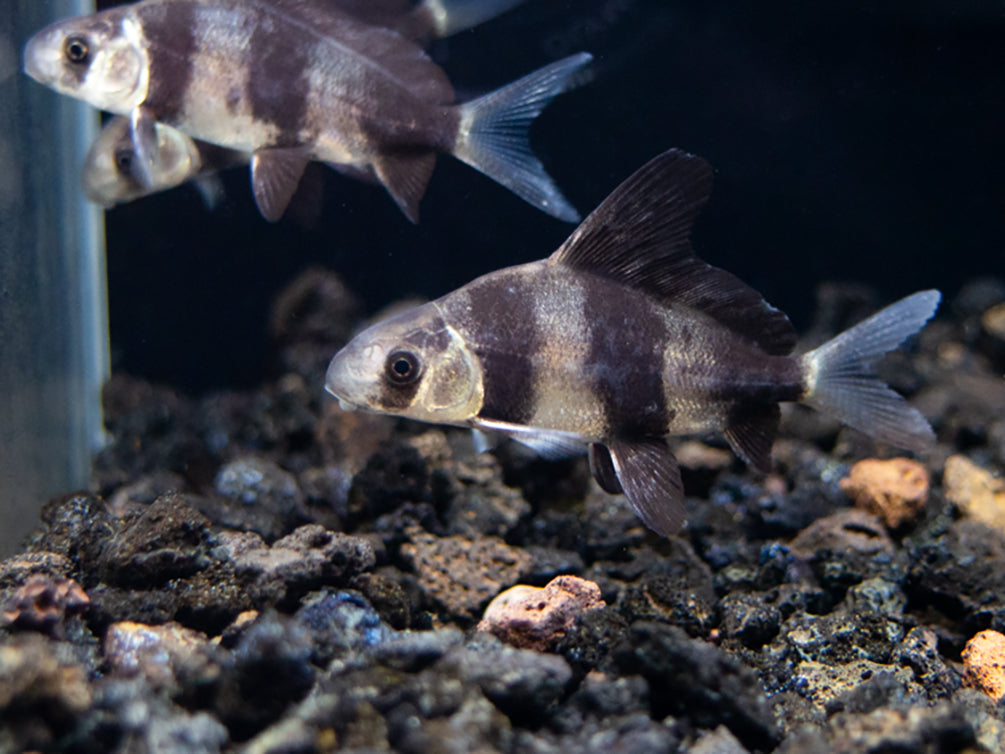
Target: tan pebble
538 618
993 321
895 489
979 494
984 663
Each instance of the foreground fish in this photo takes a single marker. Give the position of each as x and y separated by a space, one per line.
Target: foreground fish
112 176
291 81
621 338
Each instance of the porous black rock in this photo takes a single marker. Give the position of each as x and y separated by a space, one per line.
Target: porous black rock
691 677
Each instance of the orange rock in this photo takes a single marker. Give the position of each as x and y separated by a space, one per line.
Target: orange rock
984 663
895 489
531 617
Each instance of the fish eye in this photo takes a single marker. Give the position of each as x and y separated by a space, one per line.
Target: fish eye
402 367
124 160
77 50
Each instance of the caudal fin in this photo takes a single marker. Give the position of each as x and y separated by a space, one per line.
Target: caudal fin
840 379
493 135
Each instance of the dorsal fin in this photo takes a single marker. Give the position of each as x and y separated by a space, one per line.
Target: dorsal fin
640 236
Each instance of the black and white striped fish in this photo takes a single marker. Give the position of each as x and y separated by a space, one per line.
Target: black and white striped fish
621 338
290 81
111 175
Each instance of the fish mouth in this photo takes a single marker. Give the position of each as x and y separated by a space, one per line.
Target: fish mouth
31 57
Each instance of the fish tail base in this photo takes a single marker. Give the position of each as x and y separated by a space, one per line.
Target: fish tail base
493 134
840 380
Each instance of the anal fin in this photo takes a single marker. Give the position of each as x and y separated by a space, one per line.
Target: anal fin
751 433
650 477
275 175
602 468
405 176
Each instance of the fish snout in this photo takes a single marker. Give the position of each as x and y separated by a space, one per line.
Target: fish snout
352 373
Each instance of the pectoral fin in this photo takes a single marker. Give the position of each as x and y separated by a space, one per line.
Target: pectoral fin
554 446
650 478
143 133
275 175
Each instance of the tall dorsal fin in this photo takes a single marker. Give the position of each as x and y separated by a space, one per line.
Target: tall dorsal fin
640 236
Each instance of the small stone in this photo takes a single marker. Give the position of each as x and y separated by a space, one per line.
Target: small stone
164 540
259 496
895 489
978 493
538 618
43 603
519 682
993 321
164 655
984 663
307 559
461 574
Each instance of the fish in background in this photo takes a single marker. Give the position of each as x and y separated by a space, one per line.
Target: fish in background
620 339
292 81
110 174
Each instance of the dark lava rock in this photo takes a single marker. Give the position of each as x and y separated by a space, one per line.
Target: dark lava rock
691 677
271 670
43 692
593 638
846 548
521 683
128 716
257 496
156 543
76 527
749 618
677 589
310 558
460 575
340 622
396 474
961 574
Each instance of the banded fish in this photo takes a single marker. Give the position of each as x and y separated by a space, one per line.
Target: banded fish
621 338
291 81
111 175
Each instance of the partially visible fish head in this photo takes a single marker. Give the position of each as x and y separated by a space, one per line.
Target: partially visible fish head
110 171
100 59
412 365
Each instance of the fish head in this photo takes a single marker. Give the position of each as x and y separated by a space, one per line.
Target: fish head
412 365
100 59
110 174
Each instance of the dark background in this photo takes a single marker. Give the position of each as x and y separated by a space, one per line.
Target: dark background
859 142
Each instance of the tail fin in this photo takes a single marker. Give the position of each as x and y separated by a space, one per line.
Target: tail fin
451 16
493 134
840 380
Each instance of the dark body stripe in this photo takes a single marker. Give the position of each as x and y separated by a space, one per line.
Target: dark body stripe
625 361
507 342
171 33
278 84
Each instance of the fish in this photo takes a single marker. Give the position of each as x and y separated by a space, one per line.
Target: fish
110 175
295 81
622 338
